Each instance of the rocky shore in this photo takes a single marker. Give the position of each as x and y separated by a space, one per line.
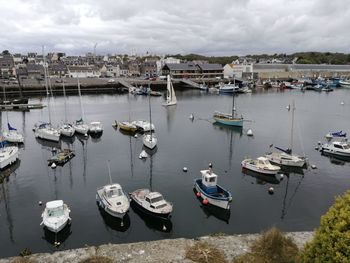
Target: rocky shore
167 250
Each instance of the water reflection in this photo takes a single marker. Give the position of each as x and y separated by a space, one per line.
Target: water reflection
49 145
211 210
287 200
57 238
170 116
159 224
337 160
116 224
261 179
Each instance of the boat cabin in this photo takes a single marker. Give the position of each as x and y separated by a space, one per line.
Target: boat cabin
209 181
95 124
263 161
341 145
113 190
55 208
155 200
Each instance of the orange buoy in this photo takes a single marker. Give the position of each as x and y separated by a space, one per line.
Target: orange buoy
205 202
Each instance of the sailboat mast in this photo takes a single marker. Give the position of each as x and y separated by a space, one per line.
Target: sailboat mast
150 112
65 102
109 172
81 104
46 85
233 97
7 114
291 135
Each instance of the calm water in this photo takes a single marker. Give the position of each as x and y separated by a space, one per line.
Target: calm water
297 204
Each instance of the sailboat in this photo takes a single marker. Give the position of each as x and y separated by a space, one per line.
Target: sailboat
66 129
149 140
170 93
285 157
44 130
80 126
227 118
11 134
112 199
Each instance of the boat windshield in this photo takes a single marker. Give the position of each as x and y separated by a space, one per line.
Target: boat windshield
346 146
55 212
114 192
157 199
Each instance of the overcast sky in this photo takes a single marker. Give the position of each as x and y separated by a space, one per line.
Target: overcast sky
208 27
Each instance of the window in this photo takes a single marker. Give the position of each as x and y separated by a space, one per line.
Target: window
157 199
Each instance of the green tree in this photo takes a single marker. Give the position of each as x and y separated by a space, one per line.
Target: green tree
331 242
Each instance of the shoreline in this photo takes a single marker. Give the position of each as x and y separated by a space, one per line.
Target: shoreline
164 250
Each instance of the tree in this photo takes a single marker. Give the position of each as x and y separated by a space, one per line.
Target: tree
331 242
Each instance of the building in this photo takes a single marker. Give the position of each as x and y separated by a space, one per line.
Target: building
192 70
169 60
83 71
149 68
237 70
7 65
35 71
58 70
134 68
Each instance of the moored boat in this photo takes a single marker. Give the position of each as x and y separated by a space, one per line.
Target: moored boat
211 193
152 203
55 216
8 155
95 127
260 165
112 199
127 126
337 148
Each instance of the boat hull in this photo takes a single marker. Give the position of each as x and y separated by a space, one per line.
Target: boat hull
170 103
251 167
58 228
230 122
222 202
147 142
11 136
294 162
11 157
101 202
335 152
148 212
47 135
81 128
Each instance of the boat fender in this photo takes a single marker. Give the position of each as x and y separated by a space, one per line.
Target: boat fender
198 194
271 191
205 202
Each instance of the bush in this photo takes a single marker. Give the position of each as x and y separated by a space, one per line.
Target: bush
271 247
331 242
202 252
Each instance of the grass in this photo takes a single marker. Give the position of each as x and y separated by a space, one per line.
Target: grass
97 259
23 260
202 252
271 247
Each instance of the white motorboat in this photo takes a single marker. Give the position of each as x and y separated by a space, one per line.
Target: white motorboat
95 127
203 86
67 130
170 93
337 148
55 216
112 199
8 155
344 83
143 125
46 132
151 203
260 165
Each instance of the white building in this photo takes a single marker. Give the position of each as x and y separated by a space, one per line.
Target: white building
237 70
83 72
169 60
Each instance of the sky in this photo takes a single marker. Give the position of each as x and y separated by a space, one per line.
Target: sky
207 27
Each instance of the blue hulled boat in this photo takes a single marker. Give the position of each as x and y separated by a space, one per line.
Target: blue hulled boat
211 193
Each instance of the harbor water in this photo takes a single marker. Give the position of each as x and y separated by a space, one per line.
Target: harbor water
299 198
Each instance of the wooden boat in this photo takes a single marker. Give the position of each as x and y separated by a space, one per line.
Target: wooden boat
260 165
151 203
212 193
61 157
127 126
